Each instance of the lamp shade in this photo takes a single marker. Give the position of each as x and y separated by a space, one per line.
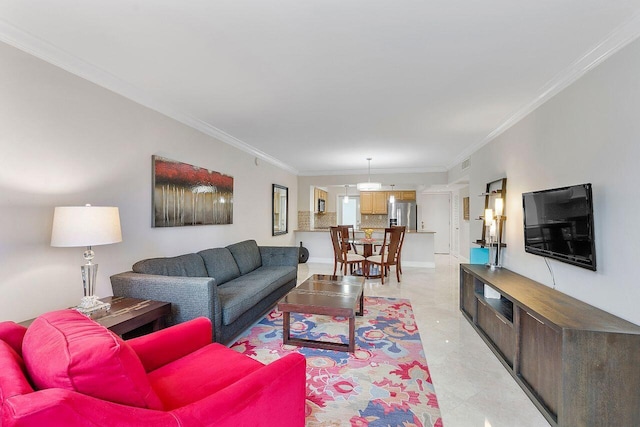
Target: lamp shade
488 217
368 186
499 206
85 226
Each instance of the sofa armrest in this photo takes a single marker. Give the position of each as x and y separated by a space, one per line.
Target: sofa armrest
164 346
55 407
276 392
280 255
190 297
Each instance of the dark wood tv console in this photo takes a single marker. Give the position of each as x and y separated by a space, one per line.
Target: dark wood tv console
579 365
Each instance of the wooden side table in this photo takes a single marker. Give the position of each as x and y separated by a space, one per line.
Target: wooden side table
129 314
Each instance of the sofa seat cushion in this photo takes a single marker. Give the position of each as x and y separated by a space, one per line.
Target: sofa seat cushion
65 349
220 264
240 295
247 255
200 374
189 265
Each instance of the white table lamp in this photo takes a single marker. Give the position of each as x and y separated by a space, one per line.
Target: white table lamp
76 226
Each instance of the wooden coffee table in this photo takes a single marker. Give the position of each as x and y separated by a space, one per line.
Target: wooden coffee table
324 295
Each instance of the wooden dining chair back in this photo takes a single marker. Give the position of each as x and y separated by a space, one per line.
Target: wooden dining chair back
341 255
399 256
389 251
349 236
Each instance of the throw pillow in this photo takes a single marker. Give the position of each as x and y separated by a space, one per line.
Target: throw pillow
65 349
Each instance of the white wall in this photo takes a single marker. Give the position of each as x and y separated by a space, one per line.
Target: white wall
66 141
590 132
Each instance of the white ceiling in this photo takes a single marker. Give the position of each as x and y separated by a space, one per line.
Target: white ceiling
317 86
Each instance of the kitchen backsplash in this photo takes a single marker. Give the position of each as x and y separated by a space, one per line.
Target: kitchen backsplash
304 220
325 220
374 221
329 219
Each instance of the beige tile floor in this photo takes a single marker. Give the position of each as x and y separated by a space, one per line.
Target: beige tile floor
473 388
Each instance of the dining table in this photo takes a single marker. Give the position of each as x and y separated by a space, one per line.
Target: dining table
367 244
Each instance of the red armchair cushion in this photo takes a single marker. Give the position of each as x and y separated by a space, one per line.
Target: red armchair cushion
65 349
166 345
12 370
12 334
200 374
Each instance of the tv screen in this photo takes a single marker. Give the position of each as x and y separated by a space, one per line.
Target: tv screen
558 223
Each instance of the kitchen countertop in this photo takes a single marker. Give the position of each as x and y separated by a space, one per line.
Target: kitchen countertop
375 230
418 249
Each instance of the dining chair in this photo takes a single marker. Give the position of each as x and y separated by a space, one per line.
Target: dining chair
349 232
341 253
389 252
399 266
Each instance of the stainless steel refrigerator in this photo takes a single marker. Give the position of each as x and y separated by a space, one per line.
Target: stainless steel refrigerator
403 213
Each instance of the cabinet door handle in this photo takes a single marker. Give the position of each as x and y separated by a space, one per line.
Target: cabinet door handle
537 320
500 319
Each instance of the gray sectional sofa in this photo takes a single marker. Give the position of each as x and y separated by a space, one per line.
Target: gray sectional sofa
233 286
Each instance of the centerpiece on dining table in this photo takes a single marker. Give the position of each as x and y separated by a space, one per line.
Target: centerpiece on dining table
368 232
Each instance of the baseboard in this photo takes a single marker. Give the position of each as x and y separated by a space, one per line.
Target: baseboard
320 260
418 264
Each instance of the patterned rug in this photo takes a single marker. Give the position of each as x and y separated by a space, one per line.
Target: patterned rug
385 382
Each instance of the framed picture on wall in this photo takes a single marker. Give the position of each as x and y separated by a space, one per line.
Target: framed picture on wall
465 208
184 195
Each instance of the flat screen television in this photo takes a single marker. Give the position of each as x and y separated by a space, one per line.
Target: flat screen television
558 223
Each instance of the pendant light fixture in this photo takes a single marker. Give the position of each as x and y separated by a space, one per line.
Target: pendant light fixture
392 197
369 186
346 194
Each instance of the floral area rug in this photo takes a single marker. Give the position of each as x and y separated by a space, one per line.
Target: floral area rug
385 382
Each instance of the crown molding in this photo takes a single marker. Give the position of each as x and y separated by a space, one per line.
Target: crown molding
616 40
47 52
373 171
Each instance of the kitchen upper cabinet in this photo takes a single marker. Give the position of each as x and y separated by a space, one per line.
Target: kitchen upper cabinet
373 202
408 195
379 203
396 194
366 202
402 195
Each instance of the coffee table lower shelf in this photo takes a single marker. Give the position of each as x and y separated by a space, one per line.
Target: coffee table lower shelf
325 295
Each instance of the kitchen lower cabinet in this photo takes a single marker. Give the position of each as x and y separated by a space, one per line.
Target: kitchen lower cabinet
578 364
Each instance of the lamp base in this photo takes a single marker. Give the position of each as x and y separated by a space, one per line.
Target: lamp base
91 304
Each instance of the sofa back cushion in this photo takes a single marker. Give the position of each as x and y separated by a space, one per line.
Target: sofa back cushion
220 264
247 255
189 265
65 349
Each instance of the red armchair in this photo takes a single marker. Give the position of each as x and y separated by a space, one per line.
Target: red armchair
67 370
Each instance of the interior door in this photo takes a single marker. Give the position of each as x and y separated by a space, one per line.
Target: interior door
455 250
434 210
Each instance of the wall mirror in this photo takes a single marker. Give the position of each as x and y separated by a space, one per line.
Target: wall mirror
280 218
495 190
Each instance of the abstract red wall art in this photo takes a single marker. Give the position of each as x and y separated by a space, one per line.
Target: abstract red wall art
189 195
